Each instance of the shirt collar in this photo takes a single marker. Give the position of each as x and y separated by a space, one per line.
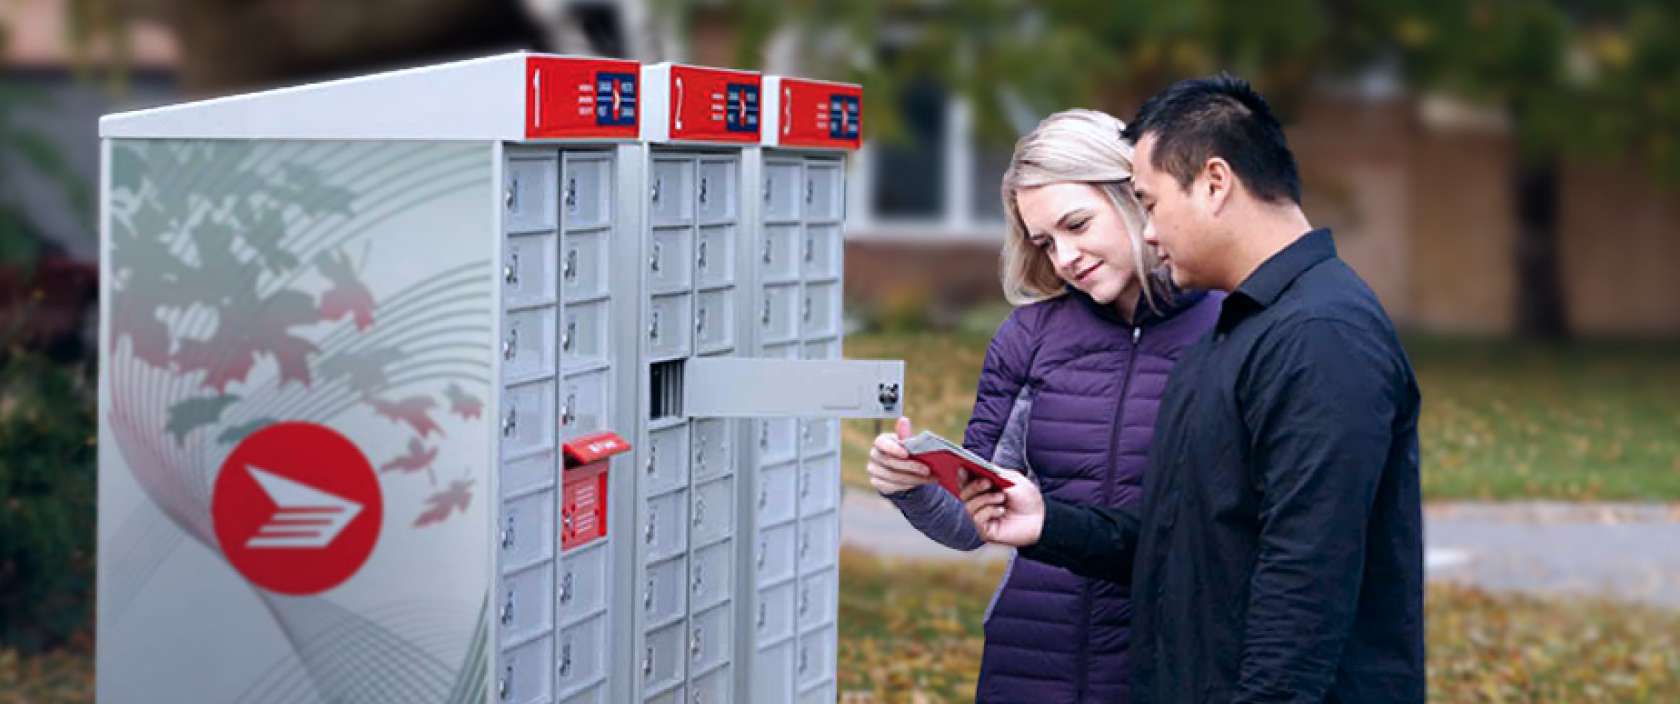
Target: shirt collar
1265 284
1276 274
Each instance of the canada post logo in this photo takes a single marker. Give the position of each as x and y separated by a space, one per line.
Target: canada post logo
296 508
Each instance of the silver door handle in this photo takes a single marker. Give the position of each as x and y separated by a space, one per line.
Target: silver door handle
510 424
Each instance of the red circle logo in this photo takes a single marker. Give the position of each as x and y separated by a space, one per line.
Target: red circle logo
296 508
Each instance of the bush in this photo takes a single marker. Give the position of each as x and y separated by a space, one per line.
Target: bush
48 483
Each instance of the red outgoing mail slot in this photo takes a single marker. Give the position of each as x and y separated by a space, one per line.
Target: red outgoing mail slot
583 510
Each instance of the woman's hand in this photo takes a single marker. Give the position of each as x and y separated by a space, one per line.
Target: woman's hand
1013 516
891 471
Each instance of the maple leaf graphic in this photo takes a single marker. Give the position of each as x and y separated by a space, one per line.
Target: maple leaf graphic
441 504
348 296
462 403
418 458
194 413
239 432
413 410
363 371
245 330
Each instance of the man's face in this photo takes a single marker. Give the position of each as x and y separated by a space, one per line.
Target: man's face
1177 228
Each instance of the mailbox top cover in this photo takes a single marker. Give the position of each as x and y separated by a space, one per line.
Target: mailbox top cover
507 97
813 114
700 104
569 97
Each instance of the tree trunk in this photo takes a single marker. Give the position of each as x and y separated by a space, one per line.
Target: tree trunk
1539 298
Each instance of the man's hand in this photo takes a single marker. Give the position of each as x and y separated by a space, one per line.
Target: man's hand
891 471
1013 516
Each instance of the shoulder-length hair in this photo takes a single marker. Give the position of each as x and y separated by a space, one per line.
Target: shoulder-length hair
1081 146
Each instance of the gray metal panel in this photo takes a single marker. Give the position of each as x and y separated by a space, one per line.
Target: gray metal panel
814 661
714 255
665 526
773 673
624 273
584 582
529 191
711 575
713 511
664 465
522 475
664 597
817 601
581 655
715 687
527 344
585 195
585 266
738 387
526 531
525 675
524 604
711 639
528 270
584 334
523 600
663 659
774 618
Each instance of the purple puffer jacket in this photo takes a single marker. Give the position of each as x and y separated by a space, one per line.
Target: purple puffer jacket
1068 392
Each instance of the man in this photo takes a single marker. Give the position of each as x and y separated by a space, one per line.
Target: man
1278 554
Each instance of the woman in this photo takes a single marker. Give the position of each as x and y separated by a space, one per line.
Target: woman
1068 393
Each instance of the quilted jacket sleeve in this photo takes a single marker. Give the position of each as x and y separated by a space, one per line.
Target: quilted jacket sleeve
1003 375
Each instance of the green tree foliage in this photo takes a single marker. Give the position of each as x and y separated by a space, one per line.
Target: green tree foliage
47 495
1575 78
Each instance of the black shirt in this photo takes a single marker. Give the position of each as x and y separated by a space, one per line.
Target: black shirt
1279 552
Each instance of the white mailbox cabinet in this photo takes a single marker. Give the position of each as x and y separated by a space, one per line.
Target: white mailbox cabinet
505 380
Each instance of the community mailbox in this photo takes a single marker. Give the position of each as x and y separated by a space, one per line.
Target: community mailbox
505 380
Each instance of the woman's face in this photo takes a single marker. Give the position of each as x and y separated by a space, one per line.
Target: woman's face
1080 231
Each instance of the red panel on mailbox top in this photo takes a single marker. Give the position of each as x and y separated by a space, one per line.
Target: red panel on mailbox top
715 105
819 114
581 98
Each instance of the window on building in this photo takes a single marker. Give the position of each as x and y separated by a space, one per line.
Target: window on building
909 174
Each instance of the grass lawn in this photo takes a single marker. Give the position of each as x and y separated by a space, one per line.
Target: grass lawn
1501 420
910 632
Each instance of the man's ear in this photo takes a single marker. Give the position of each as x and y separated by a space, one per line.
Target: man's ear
1217 183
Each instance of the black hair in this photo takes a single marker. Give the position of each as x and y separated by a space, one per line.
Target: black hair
1200 118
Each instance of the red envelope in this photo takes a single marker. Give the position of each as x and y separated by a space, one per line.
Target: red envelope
948 460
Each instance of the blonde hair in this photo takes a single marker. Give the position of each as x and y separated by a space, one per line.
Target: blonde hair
1081 146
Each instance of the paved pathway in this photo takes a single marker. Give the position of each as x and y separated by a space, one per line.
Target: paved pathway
1623 551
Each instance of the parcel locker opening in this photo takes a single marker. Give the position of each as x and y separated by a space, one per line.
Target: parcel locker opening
537 384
